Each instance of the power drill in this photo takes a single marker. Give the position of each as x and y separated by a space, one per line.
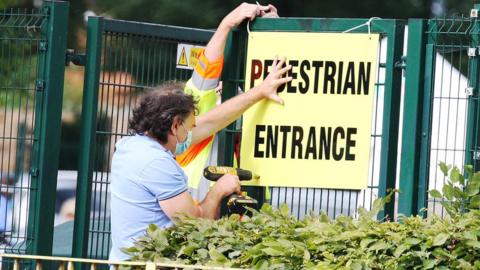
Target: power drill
236 203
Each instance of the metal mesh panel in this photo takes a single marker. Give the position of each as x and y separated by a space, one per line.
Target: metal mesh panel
130 64
20 42
451 39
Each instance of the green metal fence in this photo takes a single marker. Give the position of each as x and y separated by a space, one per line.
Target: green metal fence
123 60
32 51
440 109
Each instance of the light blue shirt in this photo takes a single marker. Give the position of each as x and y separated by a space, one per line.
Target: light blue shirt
143 173
5 214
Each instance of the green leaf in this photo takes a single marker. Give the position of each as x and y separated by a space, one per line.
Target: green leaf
151 228
412 241
261 265
458 193
355 266
443 168
472 189
130 250
455 175
366 242
273 252
440 239
461 179
469 235
448 191
475 178
284 210
379 246
187 250
217 256
475 202
435 194
468 169
400 249
428 264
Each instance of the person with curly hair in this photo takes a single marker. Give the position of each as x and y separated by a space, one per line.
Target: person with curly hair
148 185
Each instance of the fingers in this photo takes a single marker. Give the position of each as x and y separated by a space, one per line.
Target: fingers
283 80
280 63
274 64
264 8
276 98
271 13
284 70
273 9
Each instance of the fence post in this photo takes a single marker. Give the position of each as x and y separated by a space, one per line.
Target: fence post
389 148
48 105
226 137
87 143
408 201
231 80
472 149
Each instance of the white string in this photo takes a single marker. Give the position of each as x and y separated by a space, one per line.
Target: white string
248 23
367 24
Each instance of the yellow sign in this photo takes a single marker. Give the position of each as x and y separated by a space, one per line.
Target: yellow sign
187 55
183 58
193 56
321 136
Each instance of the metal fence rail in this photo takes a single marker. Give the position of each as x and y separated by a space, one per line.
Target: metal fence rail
124 59
40 262
20 39
32 51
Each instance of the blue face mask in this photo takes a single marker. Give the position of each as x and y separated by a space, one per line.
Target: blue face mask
183 146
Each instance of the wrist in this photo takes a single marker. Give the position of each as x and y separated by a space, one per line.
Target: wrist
225 26
216 194
257 93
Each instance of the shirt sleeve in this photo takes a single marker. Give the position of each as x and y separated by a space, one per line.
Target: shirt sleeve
164 179
206 74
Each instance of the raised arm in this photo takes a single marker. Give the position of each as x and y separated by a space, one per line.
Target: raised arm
216 45
222 115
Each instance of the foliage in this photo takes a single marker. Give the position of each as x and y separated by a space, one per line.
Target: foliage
458 194
273 239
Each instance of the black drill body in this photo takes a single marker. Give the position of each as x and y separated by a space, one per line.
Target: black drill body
236 204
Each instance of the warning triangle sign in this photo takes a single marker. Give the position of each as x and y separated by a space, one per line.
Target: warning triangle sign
182 61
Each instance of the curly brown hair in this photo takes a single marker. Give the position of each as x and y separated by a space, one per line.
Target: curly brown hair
158 108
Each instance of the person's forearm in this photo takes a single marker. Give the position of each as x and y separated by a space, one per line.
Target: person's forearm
224 114
210 206
216 45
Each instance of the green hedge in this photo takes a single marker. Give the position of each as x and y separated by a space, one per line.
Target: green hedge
273 239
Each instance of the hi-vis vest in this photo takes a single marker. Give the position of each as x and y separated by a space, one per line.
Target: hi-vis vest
201 85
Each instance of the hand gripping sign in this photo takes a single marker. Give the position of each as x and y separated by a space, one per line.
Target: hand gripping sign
321 136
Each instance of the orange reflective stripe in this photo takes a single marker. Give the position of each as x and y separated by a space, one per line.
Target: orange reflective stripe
189 155
208 69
